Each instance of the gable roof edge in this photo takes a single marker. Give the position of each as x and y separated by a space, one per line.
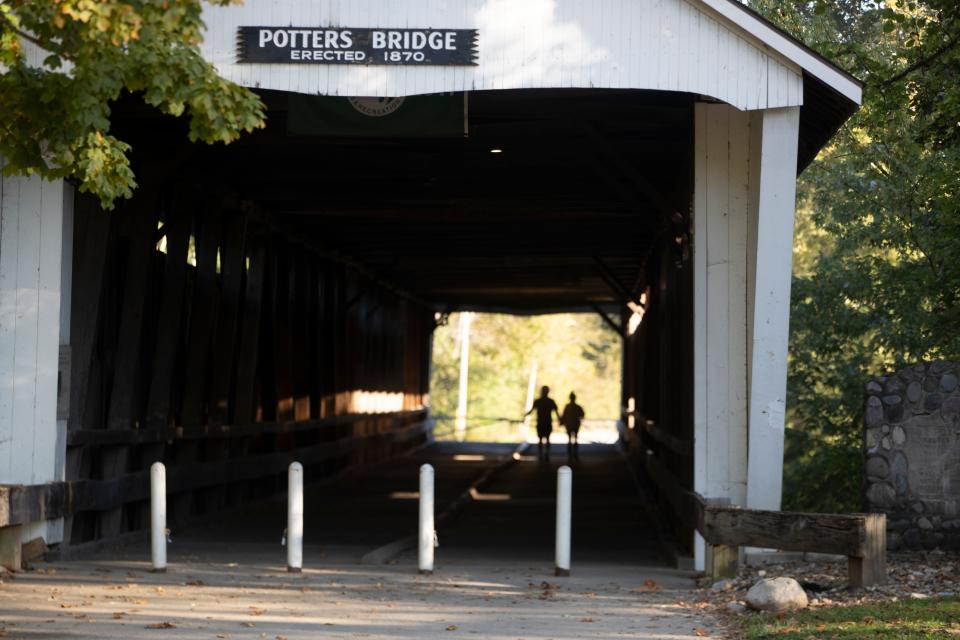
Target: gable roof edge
786 45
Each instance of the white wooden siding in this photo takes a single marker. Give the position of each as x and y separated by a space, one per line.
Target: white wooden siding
31 214
673 45
722 217
771 264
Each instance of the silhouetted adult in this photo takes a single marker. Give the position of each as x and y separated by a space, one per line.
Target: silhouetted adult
545 408
571 419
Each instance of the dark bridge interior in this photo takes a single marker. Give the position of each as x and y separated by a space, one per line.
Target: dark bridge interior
273 300
563 217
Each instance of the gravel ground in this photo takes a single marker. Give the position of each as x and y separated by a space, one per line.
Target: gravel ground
916 575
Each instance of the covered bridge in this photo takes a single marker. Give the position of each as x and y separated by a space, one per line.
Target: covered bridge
274 299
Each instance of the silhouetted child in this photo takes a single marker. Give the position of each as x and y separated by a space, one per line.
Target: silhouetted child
571 419
545 408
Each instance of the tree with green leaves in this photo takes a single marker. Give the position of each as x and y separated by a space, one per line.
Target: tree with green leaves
877 261
62 63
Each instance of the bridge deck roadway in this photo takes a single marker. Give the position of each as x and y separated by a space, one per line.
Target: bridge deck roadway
493 576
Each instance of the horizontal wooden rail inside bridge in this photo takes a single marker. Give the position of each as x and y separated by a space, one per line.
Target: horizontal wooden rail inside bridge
21 504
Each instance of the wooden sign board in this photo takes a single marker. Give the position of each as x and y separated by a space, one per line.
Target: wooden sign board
340 45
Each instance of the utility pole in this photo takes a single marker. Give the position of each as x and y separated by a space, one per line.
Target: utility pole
466 318
531 389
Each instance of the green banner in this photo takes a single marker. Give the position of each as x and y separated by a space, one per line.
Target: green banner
442 115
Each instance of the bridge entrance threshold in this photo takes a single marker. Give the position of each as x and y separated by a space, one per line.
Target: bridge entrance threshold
508 516
493 579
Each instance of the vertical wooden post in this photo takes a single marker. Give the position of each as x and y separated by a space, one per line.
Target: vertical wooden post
870 568
768 291
233 259
177 227
202 316
721 220
245 398
722 561
10 547
125 390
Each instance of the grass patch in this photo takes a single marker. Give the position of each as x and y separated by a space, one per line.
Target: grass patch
901 620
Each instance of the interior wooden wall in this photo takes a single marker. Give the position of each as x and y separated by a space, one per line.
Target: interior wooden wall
658 375
227 369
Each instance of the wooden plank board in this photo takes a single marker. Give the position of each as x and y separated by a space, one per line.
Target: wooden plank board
202 318
283 286
103 437
771 273
816 532
300 337
159 402
232 270
140 251
120 415
93 233
20 504
245 397
871 567
232 260
48 451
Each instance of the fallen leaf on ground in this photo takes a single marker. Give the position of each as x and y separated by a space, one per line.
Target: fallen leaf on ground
161 625
452 627
648 585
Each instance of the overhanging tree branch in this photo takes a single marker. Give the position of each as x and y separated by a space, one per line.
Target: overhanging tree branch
923 62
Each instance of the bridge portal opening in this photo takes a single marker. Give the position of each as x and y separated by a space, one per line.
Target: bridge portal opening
281 299
488 369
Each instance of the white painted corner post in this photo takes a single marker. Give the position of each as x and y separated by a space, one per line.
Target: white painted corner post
744 192
32 213
771 266
721 219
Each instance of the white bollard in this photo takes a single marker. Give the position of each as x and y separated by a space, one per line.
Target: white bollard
427 534
564 505
295 518
158 517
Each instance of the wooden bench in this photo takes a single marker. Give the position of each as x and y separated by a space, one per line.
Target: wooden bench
862 537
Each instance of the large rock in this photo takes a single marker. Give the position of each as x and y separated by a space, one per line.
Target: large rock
777 594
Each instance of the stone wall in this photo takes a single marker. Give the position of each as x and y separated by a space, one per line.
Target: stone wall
912 454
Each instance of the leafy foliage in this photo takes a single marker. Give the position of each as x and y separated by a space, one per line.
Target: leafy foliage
877 265
64 61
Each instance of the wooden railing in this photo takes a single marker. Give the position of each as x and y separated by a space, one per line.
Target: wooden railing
860 536
20 504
